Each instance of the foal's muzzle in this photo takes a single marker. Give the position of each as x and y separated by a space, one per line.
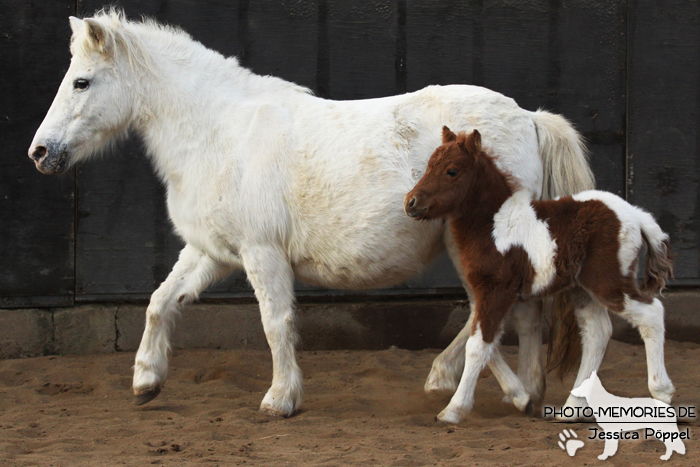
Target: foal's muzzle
413 207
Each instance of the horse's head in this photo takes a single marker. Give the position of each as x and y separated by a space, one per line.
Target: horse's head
94 102
447 179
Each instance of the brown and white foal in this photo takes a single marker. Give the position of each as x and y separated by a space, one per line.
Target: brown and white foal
515 249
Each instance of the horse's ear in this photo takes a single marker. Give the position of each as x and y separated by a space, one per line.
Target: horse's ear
96 33
76 24
447 135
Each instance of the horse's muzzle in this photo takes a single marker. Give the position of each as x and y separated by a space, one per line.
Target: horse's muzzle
50 159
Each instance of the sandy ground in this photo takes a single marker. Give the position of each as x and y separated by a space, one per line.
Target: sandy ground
361 408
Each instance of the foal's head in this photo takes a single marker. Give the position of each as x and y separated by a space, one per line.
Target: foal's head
448 178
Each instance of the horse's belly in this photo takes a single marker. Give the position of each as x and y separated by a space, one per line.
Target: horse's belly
377 259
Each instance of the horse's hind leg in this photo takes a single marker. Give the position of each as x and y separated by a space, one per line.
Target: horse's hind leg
512 386
192 273
528 324
448 366
273 280
649 319
596 330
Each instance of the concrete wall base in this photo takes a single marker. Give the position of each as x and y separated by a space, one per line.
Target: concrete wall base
415 324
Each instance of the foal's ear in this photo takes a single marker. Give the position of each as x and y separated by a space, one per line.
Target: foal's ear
472 143
447 135
96 33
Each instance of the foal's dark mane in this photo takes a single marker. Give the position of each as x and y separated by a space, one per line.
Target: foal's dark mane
488 186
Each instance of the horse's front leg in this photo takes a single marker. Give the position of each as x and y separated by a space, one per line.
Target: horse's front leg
192 273
271 275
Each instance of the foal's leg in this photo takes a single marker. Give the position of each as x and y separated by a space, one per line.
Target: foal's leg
649 319
478 354
447 367
596 330
192 273
272 278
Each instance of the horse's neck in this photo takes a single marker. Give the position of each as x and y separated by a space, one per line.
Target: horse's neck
188 112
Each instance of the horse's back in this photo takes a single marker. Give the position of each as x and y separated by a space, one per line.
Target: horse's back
353 163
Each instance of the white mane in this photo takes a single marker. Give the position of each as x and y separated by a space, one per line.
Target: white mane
140 41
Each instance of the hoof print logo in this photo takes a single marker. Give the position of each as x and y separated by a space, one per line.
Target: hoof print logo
569 443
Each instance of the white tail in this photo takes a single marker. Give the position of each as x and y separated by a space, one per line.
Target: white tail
564 156
565 172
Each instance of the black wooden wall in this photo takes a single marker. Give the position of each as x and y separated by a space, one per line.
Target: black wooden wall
625 72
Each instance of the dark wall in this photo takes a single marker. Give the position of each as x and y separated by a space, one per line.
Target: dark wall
625 73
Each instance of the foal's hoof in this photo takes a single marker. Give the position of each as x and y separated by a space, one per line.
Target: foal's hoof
145 396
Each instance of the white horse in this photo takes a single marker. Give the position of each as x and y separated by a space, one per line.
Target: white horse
264 176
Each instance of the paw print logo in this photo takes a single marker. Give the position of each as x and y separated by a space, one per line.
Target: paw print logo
569 442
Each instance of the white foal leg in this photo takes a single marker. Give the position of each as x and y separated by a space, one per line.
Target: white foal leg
477 354
649 319
272 278
596 329
192 273
448 366
528 324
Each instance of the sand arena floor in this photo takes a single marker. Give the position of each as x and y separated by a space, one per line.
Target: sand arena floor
363 408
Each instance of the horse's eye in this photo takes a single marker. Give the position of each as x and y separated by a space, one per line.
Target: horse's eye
452 173
81 83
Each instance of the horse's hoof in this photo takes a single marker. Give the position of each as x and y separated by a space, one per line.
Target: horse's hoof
447 418
272 412
146 396
530 408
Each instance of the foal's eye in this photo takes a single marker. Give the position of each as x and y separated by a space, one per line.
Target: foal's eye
81 83
452 173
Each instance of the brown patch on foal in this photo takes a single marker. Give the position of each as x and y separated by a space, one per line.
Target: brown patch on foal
587 236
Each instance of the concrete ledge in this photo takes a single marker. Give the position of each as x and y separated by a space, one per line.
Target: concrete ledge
85 329
414 324
25 333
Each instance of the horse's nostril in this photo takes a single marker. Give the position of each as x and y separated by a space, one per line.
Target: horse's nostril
38 153
412 203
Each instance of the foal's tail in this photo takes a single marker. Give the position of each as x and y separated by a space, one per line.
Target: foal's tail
564 156
659 264
566 172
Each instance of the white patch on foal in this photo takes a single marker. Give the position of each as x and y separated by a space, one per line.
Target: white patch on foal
516 224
